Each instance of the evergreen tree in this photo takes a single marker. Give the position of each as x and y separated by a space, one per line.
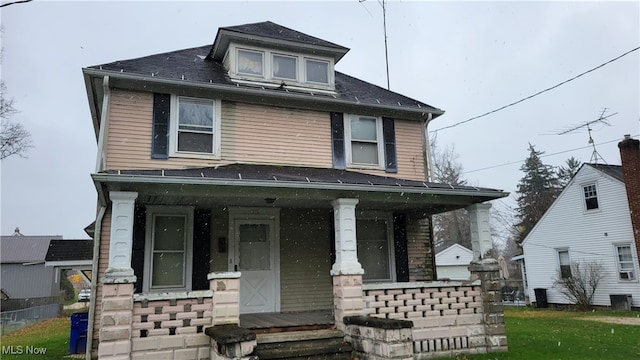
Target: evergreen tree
536 192
565 173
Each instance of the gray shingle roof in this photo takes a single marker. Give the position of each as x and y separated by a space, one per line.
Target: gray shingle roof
70 250
614 171
23 249
279 32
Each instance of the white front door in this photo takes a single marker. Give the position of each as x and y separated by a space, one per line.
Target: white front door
255 255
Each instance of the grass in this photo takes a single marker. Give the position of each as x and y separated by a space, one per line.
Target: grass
553 334
48 339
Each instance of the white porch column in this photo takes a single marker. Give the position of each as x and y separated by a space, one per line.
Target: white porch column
344 217
121 241
481 243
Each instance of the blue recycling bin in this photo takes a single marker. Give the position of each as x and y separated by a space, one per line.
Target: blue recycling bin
78 333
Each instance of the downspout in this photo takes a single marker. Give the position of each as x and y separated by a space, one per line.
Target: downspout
94 278
427 147
101 157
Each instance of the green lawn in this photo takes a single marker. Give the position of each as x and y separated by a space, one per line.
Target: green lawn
48 339
552 334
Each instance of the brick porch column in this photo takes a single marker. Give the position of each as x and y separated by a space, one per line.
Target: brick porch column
495 333
226 297
117 284
481 243
348 298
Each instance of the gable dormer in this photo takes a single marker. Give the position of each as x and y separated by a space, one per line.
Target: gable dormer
269 55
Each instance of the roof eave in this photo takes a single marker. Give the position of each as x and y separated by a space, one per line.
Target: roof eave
259 95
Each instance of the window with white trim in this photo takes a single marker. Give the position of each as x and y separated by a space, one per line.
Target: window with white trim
624 257
266 67
168 248
590 196
375 247
564 261
364 141
195 127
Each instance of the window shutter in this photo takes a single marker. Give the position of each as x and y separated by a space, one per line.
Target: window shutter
400 247
389 134
137 246
201 249
337 140
160 133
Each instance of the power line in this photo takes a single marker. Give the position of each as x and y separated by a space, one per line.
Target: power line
542 156
536 94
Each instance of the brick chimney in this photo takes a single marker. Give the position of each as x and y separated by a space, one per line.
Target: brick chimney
630 157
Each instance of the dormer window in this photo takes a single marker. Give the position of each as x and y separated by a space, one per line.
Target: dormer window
285 67
317 71
250 62
264 67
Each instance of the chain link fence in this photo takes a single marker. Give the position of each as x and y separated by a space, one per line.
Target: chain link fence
17 319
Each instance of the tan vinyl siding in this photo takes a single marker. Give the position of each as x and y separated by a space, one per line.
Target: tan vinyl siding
103 263
254 133
250 133
305 260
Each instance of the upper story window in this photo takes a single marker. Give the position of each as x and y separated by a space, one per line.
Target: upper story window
250 62
625 262
590 196
195 127
267 67
364 144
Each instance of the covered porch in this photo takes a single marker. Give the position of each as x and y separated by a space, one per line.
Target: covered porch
268 248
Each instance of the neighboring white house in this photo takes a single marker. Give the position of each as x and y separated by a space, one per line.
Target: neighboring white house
453 263
589 221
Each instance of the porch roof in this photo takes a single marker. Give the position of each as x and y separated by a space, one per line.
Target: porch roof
291 183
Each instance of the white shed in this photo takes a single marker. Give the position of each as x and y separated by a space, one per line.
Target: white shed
453 263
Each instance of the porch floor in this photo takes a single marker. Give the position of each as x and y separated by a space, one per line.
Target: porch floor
262 323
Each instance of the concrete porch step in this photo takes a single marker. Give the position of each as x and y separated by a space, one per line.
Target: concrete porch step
297 345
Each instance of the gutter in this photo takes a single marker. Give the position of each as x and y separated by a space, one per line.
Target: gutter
154 179
94 279
101 156
427 143
242 92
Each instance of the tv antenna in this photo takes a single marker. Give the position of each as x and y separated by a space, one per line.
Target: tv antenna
588 125
384 25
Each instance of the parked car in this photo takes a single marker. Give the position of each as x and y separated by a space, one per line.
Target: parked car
84 295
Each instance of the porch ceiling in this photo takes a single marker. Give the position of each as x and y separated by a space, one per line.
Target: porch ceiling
278 186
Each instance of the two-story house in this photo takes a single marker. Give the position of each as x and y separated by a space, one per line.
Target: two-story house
250 177
591 221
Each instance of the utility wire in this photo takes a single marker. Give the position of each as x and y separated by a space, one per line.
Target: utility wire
536 94
542 156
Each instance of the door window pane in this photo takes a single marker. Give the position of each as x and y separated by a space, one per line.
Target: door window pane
255 247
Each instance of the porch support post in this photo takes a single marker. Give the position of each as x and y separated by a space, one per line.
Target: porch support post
116 316
348 298
481 243
121 241
226 297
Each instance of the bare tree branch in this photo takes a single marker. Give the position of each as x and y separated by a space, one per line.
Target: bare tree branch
580 286
14 138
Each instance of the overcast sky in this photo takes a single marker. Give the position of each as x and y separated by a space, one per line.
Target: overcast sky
466 58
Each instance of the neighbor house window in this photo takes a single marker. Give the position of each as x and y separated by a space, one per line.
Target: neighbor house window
364 140
590 196
285 67
250 62
565 264
317 71
195 127
375 248
626 268
168 249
